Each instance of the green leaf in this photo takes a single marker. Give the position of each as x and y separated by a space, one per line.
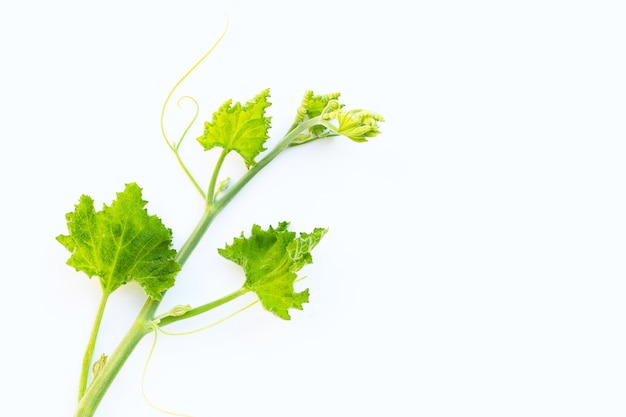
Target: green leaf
120 243
313 105
270 259
238 128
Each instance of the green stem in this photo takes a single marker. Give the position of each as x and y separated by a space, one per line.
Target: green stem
232 191
89 402
210 195
196 236
203 308
88 357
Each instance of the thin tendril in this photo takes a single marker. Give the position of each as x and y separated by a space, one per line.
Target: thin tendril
156 329
143 378
167 99
174 146
193 120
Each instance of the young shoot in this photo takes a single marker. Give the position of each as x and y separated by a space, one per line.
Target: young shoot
122 242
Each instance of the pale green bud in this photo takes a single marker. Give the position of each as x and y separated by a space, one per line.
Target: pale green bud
179 310
99 364
359 125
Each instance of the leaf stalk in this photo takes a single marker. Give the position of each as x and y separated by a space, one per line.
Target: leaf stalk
88 356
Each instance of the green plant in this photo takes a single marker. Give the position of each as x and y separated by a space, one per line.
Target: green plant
122 242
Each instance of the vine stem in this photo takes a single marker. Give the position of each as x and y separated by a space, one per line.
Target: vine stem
142 325
93 396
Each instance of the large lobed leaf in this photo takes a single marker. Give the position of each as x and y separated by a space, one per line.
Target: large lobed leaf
270 259
238 128
120 243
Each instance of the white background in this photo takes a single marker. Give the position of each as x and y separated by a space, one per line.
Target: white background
475 260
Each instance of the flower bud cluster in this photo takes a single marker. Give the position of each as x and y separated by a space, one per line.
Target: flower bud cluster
359 125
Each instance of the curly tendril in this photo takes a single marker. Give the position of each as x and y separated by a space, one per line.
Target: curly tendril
179 82
330 111
193 120
174 146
